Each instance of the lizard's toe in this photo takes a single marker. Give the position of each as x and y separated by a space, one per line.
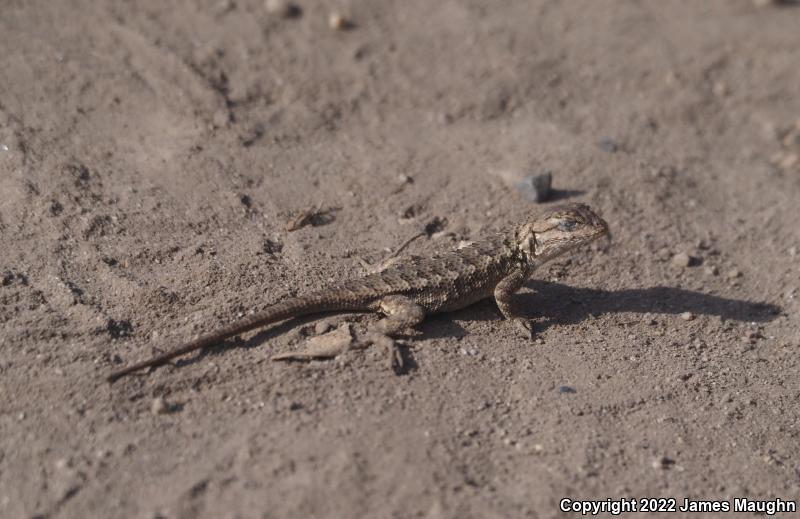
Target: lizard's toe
525 326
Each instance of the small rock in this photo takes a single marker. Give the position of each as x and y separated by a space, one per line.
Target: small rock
282 8
159 406
712 270
687 316
733 273
536 188
566 389
102 454
793 251
663 463
663 253
271 247
681 260
339 22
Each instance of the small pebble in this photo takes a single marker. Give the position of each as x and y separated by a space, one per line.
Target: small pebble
663 463
338 22
282 8
102 454
687 316
159 406
663 253
681 260
712 270
536 188
733 273
566 389
792 251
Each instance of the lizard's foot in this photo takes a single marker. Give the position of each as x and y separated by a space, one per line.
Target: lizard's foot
396 362
331 345
525 327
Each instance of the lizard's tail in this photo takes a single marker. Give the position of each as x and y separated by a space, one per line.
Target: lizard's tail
293 307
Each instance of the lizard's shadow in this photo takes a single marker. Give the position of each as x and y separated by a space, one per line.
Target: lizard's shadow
549 304
552 304
558 304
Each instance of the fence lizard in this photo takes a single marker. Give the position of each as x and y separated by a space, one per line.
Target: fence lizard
494 267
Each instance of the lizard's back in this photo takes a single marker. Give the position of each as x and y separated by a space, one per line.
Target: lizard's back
443 282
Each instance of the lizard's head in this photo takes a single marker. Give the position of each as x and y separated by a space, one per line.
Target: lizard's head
559 230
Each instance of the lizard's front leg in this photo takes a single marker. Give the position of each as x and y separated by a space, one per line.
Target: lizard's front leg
504 292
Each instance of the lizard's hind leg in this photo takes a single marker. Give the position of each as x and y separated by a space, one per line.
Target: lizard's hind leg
401 314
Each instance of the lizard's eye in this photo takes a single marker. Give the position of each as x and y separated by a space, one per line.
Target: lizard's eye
567 225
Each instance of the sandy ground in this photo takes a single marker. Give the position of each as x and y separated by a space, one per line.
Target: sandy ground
151 154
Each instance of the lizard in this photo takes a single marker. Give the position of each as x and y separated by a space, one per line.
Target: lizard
405 293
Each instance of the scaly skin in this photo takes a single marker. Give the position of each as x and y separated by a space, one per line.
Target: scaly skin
494 267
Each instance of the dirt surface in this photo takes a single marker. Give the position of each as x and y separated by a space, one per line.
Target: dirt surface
152 154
